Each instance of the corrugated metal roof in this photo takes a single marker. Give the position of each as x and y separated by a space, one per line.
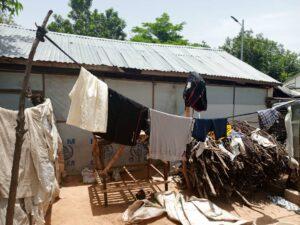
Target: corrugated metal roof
15 42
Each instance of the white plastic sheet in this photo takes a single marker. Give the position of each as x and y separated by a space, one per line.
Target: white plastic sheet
20 216
142 210
37 182
195 210
261 140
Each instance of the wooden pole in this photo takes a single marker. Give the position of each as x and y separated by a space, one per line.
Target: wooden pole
184 168
116 156
20 131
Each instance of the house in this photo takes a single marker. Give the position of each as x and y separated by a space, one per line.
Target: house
293 83
151 74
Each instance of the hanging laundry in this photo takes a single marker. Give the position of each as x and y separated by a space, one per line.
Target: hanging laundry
89 103
39 150
203 126
37 184
28 181
169 135
267 118
126 119
289 132
194 93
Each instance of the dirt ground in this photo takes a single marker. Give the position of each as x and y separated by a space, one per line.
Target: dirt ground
83 205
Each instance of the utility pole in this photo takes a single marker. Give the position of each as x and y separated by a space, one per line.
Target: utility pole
242 41
242 24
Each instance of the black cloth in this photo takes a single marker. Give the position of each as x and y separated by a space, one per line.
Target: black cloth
126 119
194 93
203 126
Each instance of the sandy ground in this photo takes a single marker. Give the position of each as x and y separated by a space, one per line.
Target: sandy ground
83 205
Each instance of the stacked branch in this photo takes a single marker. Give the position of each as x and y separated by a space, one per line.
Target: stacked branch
214 173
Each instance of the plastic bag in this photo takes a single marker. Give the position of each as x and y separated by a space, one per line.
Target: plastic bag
88 176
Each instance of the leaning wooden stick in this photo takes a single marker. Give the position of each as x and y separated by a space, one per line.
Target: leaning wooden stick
116 156
20 131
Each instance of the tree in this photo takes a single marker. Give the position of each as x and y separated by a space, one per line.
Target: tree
8 9
12 7
265 55
6 19
83 21
203 44
162 31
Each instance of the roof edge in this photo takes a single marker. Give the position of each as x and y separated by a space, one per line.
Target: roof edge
109 69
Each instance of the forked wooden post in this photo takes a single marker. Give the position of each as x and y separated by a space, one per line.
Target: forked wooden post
20 131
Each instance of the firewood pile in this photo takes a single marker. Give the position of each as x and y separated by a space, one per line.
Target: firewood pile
214 173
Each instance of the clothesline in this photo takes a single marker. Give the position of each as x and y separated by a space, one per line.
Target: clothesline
239 115
41 33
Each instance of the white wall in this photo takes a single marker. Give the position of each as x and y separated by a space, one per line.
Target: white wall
10 80
220 102
13 81
249 100
293 83
137 90
57 88
167 98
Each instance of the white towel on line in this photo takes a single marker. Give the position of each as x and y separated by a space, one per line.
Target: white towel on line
89 103
169 135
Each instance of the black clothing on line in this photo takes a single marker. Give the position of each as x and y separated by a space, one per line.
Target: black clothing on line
194 93
126 119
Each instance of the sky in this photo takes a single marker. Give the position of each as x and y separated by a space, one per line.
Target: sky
205 20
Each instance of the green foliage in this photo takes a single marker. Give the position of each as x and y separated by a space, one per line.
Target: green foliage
10 7
61 25
83 21
203 44
109 24
265 55
6 19
162 30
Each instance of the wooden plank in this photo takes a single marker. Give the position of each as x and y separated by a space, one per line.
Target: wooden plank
128 189
130 174
98 178
157 170
132 186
